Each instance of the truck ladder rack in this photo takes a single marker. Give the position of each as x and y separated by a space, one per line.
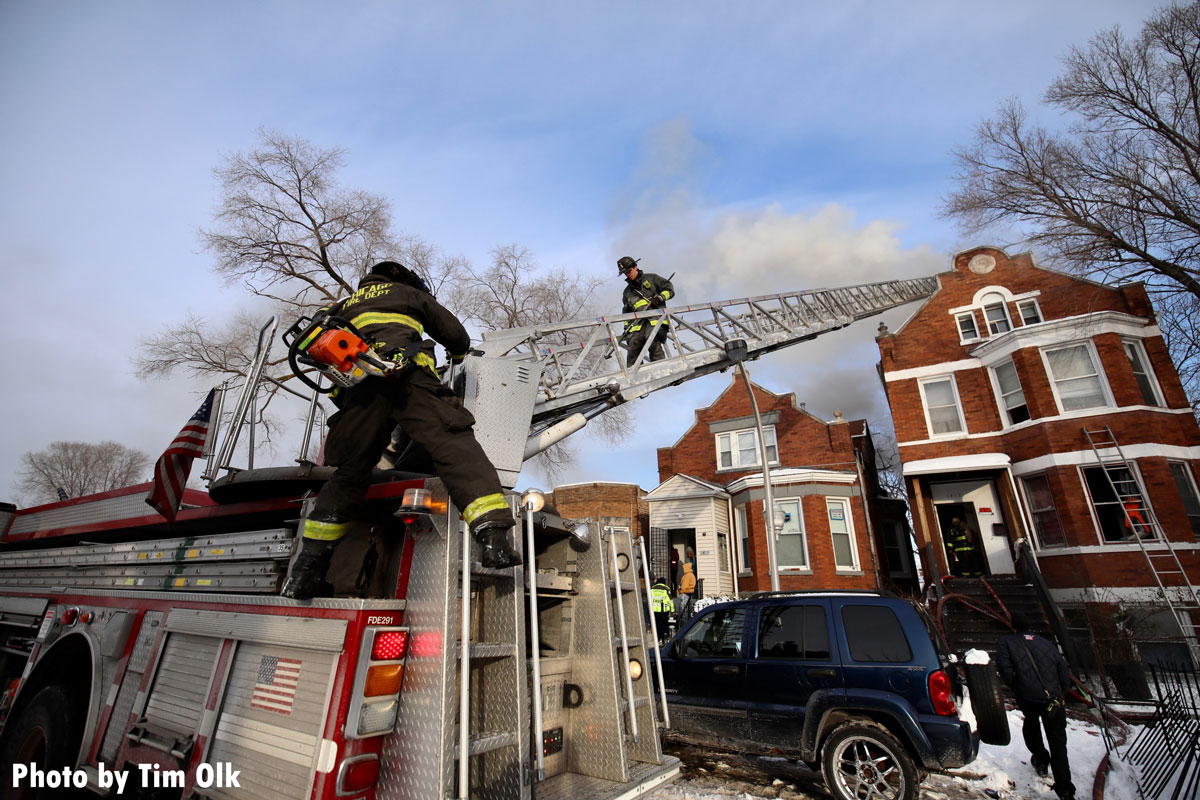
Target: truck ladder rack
250 561
1173 585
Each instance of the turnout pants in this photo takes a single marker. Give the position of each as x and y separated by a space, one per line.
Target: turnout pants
1055 724
432 416
637 339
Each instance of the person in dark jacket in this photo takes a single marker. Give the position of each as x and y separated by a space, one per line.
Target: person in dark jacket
1040 679
643 291
394 308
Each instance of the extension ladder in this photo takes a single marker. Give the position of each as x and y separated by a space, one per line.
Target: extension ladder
1173 585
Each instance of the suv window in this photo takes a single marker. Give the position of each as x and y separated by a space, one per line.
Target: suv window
799 632
874 634
718 634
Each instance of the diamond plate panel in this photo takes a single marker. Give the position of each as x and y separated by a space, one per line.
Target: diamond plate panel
500 393
119 718
648 747
643 779
417 761
596 737
123 507
140 657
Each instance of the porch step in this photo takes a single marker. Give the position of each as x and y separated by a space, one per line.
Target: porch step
967 627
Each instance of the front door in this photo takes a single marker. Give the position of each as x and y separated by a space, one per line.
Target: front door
974 504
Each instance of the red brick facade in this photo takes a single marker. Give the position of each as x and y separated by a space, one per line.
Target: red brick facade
816 461
615 501
1011 457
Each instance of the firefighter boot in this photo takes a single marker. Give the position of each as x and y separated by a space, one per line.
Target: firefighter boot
491 531
306 579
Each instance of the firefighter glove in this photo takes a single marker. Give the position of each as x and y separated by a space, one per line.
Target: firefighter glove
657 301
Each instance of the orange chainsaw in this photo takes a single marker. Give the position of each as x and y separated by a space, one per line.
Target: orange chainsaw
336 349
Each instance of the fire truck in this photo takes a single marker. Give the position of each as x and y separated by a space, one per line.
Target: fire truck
144 659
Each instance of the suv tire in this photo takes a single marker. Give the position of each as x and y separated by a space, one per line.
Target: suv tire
987 703
861 760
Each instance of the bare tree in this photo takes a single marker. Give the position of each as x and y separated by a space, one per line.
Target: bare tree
1117 194
78 468
289 232
512 293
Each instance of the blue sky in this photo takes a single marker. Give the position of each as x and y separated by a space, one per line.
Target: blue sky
749 147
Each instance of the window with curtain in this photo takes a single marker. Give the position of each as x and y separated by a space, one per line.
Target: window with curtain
941 406
1076 377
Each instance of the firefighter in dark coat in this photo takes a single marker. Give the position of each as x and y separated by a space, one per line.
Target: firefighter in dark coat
643 291
394 308
1040 678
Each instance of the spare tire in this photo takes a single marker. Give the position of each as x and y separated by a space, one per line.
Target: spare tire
987 703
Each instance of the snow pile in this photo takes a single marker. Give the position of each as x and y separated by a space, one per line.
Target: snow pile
705 602
978 657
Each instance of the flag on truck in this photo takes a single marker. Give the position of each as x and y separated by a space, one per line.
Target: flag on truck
175 464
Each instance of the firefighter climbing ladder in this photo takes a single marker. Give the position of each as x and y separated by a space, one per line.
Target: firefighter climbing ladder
1173 584
582 367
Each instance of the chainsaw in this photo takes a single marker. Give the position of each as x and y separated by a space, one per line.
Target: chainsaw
334 348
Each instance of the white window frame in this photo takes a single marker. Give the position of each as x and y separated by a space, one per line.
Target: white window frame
1003 305
1191 481
958 318
801 531
1097 364
1037 534
769 432
1033 303
1134 470
957 405
848 511
742 531
1000 396
1140 351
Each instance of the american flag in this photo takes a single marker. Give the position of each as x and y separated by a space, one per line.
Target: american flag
276 686
175 464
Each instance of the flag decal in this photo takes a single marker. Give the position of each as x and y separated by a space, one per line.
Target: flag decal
275 689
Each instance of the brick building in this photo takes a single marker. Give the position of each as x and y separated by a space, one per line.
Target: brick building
711 498
992 384
618 504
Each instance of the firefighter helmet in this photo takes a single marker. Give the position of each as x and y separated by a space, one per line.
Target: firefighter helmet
625 263
399 273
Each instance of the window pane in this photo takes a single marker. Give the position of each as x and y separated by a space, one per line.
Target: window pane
1187 491
1045 516
997 318
772 450
717 634
839 529
939 393
798 632
789 547
1006 376
1080 393
1110 510
966 327
945 420
1141 373
1071 362
1010 393
723 448
1030 313
739 521
874 634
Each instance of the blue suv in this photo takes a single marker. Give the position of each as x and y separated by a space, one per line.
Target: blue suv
851 681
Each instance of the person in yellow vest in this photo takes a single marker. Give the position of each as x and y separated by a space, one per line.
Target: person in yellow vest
660 598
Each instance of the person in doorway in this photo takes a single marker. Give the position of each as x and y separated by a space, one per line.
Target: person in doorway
394 308
660 597
687 587
1040 678
644 291
676 573
963 549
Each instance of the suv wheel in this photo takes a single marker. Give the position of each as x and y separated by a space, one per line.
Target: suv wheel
863 761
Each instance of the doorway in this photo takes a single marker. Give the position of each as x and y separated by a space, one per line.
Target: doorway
680 541
974 504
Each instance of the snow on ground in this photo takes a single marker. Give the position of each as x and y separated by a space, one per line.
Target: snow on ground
1005 771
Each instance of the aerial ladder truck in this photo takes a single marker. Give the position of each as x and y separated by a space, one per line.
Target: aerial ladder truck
166 655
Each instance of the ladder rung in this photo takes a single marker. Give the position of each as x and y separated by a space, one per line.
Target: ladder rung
487 742
485 650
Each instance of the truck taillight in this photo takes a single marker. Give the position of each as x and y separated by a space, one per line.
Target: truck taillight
941 694
389 645
378 678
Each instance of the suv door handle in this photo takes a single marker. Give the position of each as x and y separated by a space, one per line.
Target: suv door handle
822 672
725 669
